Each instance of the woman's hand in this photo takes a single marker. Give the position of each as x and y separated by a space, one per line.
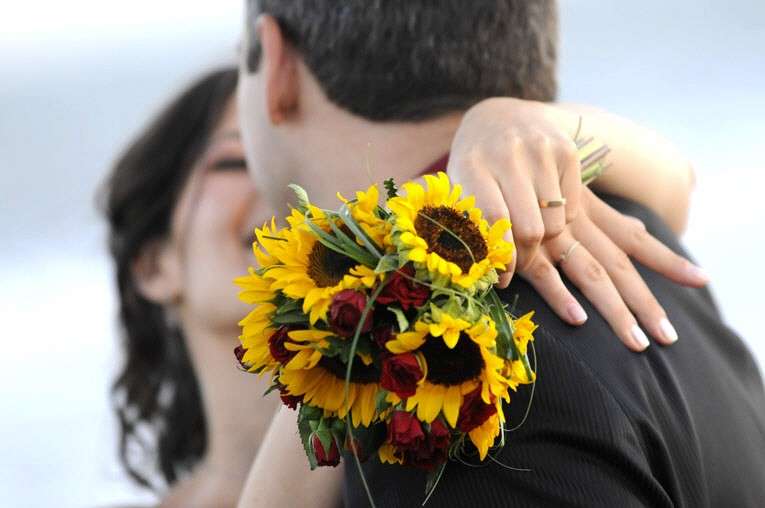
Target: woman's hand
511 154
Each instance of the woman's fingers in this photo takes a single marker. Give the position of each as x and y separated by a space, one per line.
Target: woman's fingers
570 175
521 200
630 235
592 279
543 276
627 281
477 182
540 161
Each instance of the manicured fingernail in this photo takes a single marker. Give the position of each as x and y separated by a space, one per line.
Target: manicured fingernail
639 336
669 332
576 313
697 273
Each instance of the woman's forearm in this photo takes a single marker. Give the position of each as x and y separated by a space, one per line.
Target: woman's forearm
280 475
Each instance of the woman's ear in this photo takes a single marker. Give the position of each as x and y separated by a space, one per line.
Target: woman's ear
279 67
157 272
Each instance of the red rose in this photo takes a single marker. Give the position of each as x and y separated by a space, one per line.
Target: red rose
474 411
291 401
400 374
433 450
405 430
324 457
345 313
276 345
404 291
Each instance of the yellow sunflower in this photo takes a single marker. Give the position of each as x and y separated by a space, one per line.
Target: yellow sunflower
387 454
272 233
256 330
320 379
446 234
523 333
451 372
484 435
304 269
254 288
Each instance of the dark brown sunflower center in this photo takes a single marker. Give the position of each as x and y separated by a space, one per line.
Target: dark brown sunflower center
361 374
452 366
451 235
327 267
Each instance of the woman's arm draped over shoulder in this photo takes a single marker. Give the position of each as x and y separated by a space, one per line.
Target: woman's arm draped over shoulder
515 155
280 475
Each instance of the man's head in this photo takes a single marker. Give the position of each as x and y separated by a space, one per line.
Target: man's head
383 61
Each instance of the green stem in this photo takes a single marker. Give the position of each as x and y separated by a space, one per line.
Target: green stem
351 357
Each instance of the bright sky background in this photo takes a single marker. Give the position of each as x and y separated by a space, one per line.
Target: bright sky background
78 78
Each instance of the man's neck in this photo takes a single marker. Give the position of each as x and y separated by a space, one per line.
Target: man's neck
350 153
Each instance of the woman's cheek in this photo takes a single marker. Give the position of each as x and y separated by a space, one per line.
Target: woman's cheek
216 256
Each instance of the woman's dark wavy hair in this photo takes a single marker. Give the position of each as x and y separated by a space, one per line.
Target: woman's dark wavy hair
156 395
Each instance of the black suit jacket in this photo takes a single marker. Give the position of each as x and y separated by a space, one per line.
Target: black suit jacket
675 426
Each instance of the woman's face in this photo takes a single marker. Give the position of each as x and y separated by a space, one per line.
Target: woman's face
212 232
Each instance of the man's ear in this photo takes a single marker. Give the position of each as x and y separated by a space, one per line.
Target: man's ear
279 67
157 272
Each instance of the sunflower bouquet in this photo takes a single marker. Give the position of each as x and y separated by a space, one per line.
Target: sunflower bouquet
380 325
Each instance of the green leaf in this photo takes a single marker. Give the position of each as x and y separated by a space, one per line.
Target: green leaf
348 220
288 306
390 188
505 344
325 238
387 263
380 403
305 418
301 195
274 386
403 322
351 248
290 318
337 426
310 412
324 435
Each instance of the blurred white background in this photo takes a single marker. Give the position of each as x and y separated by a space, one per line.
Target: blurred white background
78 78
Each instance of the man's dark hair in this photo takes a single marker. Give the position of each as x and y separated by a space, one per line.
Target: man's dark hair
418 59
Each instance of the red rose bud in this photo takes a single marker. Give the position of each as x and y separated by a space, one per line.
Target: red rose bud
324 457
276 345
345 313
474 411
404 291
385 325
291 401
400 374
439 434
405 430
382 334
239 352
433 450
